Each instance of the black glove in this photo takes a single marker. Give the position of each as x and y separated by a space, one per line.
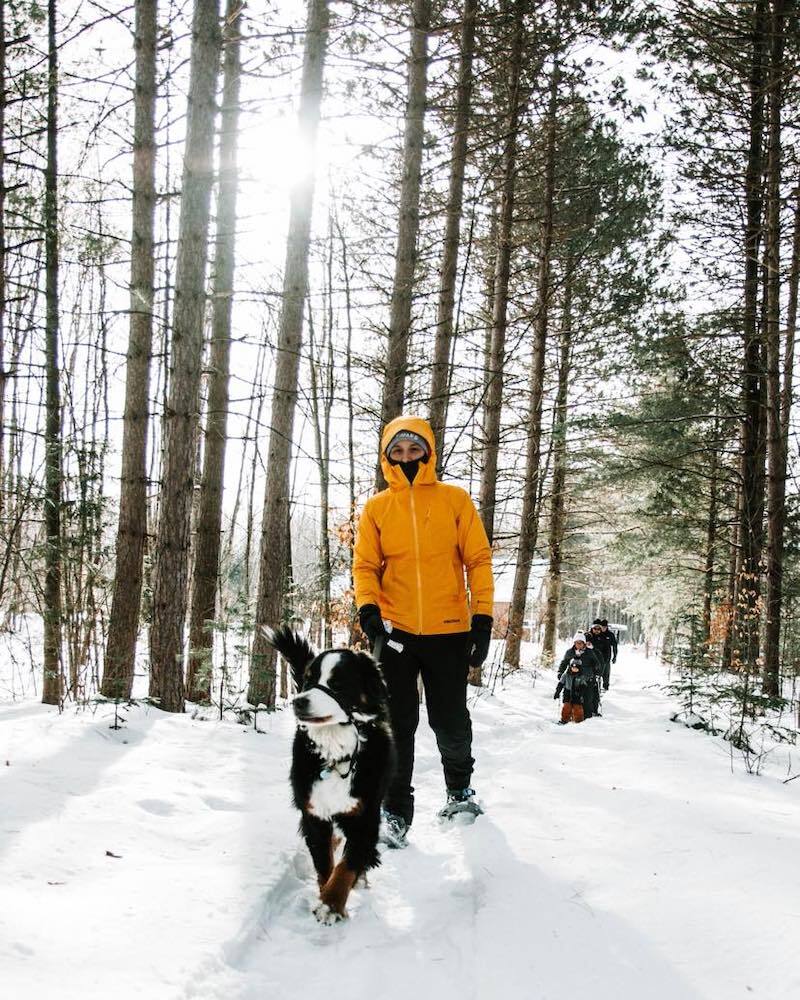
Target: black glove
369 617
479 637
555 696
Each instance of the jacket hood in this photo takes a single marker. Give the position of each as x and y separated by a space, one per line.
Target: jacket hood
393 474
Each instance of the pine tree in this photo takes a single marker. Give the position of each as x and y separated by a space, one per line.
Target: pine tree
275 549
171 554
206 568
132 528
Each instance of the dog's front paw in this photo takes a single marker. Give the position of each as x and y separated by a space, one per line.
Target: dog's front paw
325 915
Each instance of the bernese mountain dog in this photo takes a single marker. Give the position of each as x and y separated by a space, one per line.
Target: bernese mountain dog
342 761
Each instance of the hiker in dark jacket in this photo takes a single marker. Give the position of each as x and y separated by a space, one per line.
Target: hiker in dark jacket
594 642
612 639
600 642
576 678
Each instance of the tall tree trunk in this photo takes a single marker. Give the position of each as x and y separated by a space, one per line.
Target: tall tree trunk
132 526
351 445
734 569
209 520
351 441
776 454
747 616
502 271
447 285
274 540
558 492
3 372
408 222
484 352
321 372
487 311
791 325
711 544
530 508
171 556
52 687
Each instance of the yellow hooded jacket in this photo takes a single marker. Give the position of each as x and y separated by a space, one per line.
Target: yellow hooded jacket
414 542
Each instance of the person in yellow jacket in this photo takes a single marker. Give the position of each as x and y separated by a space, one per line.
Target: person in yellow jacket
415 543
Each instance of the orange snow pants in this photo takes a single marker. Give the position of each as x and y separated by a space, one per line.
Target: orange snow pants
571 711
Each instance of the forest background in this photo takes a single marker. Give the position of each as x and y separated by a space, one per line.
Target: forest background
236 239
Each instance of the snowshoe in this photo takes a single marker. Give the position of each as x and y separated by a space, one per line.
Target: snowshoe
393 831
461 803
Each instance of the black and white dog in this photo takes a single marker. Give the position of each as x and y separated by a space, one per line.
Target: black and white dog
342 761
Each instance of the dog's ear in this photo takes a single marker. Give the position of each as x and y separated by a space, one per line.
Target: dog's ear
295 649
372 683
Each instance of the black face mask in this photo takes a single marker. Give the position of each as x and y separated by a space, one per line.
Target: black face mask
410 469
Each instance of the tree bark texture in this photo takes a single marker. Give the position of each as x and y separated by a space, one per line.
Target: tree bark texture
407 223
171 555
776 452
530 507
746 646
274 535
3 372
734 569
132 525
558 489
208 540
791 323
52 687
505 224
351 443
321 364
711 544
440 381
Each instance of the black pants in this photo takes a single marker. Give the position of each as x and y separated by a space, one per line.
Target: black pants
591 697
441 660
606 671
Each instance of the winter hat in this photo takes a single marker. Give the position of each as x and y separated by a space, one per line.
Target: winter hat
599 621
604 621
409 436
579 637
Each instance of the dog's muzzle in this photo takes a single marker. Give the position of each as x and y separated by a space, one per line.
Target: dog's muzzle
319 706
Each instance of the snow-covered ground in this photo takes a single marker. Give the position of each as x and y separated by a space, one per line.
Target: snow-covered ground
621 858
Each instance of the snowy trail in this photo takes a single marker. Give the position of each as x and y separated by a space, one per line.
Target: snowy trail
618 858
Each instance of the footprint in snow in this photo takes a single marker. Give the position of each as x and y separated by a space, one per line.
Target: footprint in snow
158 807
223 805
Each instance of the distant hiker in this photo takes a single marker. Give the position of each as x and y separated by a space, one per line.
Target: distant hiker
614 648
591 701
600 641
576 678
416 541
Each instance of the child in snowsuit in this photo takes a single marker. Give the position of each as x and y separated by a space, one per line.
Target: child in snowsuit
576 677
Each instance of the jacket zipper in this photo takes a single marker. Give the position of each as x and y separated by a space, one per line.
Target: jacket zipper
416 553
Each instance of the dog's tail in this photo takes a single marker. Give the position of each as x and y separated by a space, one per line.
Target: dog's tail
295 649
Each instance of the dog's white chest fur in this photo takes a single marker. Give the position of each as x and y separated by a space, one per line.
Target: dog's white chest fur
330 794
